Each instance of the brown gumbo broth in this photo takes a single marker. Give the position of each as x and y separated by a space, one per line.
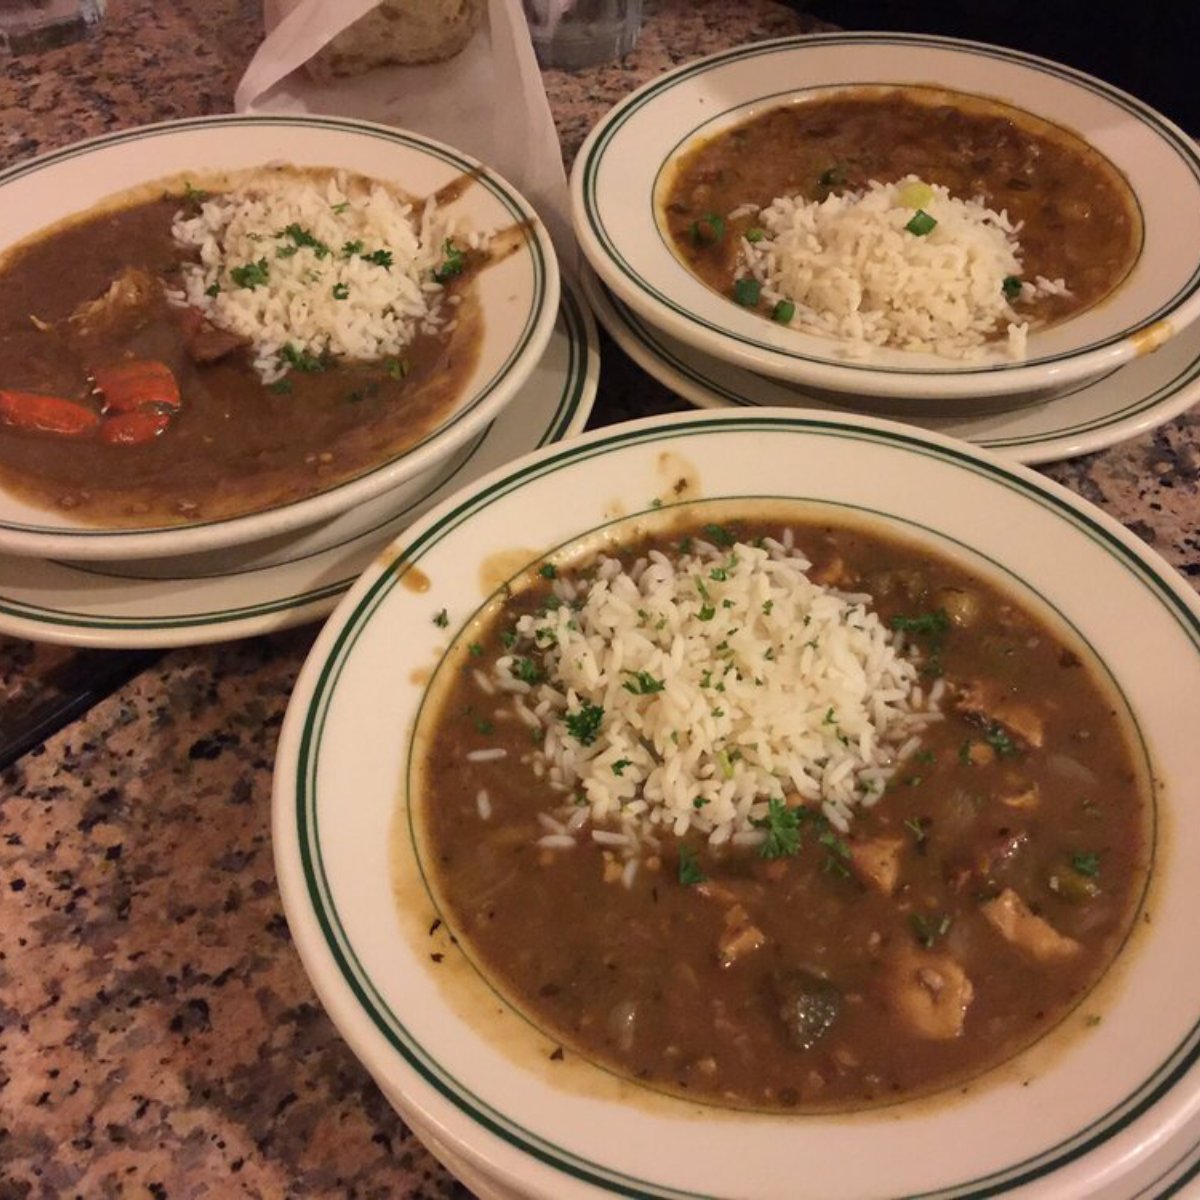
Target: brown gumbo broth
961 917
1080 222
235 446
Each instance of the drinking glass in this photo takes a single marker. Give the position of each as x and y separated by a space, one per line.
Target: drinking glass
581 33
39 24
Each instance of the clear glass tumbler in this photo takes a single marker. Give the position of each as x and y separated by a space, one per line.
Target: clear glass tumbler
581 33
27 25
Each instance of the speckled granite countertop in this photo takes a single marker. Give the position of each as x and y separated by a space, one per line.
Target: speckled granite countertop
158 1037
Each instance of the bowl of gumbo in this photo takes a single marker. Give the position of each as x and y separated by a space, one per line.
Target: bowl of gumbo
738 790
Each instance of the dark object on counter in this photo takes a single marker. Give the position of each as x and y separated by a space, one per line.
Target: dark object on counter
1148 49
65 693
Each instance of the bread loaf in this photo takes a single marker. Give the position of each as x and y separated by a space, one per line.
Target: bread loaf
398 32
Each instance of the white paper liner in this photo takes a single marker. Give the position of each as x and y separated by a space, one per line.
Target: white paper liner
487 101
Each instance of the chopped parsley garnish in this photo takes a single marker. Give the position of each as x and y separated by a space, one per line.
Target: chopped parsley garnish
689 867
754 235
997 737
213 289
719 574
919 827
381 258
193 195
707 612
302 237
747 292
1011 287
830 718
341 208
584 725
708 230
282 387
642 683
350 249
250 275
700 802
923 623
508 639
441 619
767 606
475 649
396 368
548 571
783 830
929 928
618 768
301 360
719 535
526 670
452 264
1086 864
340 291
484 726
832 177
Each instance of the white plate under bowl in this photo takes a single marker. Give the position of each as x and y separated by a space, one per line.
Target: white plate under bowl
1121 404
615 207
1090 1119
298 577
519 296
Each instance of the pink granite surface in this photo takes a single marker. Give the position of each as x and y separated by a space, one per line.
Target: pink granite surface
158 1037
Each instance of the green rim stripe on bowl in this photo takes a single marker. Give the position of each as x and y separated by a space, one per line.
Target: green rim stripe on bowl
1185 380
1157 1084
499 191
1184 149
565 413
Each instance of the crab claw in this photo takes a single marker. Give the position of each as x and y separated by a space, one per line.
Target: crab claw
39 413
129 386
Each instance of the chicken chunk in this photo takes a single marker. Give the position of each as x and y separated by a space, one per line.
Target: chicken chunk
876 861
1026 798
929 992
1011 917
739 938
129 301
982 705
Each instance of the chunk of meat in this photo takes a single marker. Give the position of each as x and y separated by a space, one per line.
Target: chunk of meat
1034 936
981 704
739 938
130 300
876 861
929 992
204 342
1025 799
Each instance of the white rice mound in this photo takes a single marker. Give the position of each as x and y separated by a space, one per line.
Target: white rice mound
773 686
319 301
854 272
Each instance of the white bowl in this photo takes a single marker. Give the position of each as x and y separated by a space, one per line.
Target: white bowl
1086 1112
519 297
622 163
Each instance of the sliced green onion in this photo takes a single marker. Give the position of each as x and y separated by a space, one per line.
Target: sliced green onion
783 312
755 234
708 230
747 291
921 223
1011 287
